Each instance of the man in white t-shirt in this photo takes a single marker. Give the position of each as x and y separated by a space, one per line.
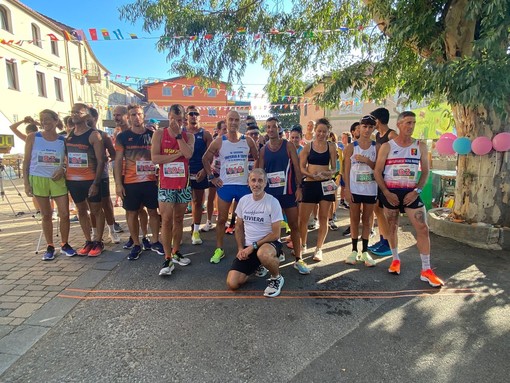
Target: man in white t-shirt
257 232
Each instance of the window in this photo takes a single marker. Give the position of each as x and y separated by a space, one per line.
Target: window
212 92
212 112
59 95
5 19
54 47
188 91
167 91
41 84
36 35
12 74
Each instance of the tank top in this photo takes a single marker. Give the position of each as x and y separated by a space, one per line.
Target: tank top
173 175
402 165
233 157
81 158
195 162
137 166
47 156
361 177
105 169
281 179
384 138
315 158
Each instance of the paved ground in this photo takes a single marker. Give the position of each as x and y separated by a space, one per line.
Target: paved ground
111 320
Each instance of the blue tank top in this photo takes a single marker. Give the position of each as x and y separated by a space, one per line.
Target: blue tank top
281 179
195 162
315 158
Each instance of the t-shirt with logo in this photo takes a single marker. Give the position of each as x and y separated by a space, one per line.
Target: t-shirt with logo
138 166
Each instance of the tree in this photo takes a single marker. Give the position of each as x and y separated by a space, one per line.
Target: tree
456 50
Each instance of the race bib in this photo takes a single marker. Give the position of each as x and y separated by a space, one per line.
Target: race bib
174 170
48 158
145 167
328 187
403 172
234 169
193 177
77 160
363 177
251 165
276 179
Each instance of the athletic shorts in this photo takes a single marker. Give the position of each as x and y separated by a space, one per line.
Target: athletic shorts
175 195
210 183
286 201
401 193
105 187
202 185
342 182
140 194
46 187
79 191
313 193
230 192
249 265
368 199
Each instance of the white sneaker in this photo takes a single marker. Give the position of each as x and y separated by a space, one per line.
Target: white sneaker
208 226
304 249
274 287
195 238
317 255
281 257
114 237
261 272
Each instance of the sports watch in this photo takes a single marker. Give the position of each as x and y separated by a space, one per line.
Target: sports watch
255 246
178 136
418 190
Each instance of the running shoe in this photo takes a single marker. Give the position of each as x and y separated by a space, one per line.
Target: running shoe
301 266
114 237
372 233
429 276
74 219
347 232
334 217
290 245
304 249
332 225
382 250
313 225
281 256
230 230
343 204
217 256
167 268
395 267
157 247
68 250
117 228
375 246
135 252
317 256
54 216
261 272
195 238
180 260
207 227
352 259
49 255
128 244
369 261
97 249
146 244
86 248
274 287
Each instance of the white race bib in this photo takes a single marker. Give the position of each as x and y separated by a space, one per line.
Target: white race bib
77 160
48 158
328 187
276 179
145 167
234 169
174 170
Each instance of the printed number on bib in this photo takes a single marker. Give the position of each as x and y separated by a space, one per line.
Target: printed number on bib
234 169
174 170
77 160
365 177
48 158
328 187
144 167
276 179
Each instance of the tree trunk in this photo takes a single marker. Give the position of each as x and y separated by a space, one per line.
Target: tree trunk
482 192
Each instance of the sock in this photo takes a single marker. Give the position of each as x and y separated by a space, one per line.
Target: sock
425 261
365 245
394 252
110 227
196 227
94 233
208 222
354 244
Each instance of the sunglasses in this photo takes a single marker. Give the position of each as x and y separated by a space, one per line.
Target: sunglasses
194 114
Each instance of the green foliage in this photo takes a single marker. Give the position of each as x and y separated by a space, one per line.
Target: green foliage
415 48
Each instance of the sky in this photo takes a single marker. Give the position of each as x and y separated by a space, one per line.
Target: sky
136 58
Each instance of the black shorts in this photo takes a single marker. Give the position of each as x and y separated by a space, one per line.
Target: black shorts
249 265
287 201
141 193
368 199
79 191
401 193
202 185
312 193
105 187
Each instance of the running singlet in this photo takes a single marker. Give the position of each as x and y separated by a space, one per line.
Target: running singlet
402 165
138 166
81 159
280 172
315 158
384 138
195 162
234 161
47 156
361 177
173 175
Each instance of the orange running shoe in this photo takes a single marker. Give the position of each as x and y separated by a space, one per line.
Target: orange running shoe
394 267
429 276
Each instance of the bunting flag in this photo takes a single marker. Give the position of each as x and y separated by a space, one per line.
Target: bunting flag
105 34
241 31
67 35
93 33
193 38
79 34
52 37
208 36
118 34
133 36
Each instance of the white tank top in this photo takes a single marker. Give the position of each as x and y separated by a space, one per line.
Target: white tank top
47 156
362 176
233 158
402 165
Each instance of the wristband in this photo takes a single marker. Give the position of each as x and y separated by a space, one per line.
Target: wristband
418 190
178 136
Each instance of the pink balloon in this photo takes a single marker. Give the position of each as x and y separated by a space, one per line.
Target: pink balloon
445 147
481 145
501 142
448 136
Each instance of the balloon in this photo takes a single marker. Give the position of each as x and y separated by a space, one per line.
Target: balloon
448 136
481 145
445 147
462 145
501 142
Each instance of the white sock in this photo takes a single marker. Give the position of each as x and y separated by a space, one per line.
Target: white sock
196 227
93 234
425 261
394 252
110 227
